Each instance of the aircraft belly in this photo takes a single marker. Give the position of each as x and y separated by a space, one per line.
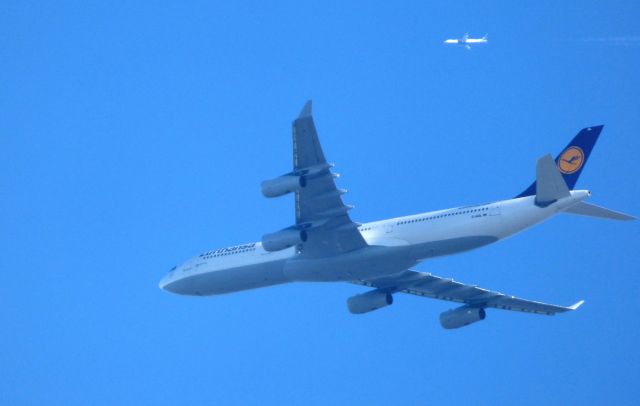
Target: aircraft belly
454 236
450 246
365 263
220 281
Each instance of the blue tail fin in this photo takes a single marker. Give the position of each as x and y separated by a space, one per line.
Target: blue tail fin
573 158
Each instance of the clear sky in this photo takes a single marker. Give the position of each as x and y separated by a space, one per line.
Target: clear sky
134 136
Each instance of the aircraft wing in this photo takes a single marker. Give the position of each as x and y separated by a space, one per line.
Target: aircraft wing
319 206
435 287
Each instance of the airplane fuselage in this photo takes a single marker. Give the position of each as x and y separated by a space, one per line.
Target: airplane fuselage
467 42
394 245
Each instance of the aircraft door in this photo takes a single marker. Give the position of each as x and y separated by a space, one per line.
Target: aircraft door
494 210
389 227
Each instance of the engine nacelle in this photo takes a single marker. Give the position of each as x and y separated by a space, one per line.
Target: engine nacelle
462 316
283 239
282 185
366 302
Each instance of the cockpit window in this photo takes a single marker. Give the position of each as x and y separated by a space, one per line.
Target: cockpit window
173 269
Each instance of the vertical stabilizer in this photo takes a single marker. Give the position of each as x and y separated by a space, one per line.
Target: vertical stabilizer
573 158
550 186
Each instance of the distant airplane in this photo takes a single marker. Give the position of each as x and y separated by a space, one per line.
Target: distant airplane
466 41
325 245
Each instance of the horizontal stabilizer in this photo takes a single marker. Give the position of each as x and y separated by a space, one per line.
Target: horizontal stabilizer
549 183
591 210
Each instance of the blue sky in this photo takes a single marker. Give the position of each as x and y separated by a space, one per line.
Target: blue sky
136 136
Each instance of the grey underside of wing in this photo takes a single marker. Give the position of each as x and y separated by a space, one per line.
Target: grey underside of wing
319 204
425 284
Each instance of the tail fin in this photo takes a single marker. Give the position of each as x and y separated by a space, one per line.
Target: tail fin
573 158
549 183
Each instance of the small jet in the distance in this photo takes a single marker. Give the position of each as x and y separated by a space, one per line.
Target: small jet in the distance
466 41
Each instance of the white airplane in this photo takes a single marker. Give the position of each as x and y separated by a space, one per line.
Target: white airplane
325 245
466 41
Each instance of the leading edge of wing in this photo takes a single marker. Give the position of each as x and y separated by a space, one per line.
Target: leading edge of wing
435 287
319 203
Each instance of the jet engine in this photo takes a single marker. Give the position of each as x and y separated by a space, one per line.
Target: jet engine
283 239
282 185
369 301
462 316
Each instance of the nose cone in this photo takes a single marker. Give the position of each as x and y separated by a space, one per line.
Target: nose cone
165 281
171 280
174 282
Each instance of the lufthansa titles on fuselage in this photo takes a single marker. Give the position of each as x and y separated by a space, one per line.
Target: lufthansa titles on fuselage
229 250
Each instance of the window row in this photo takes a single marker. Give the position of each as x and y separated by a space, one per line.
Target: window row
443 215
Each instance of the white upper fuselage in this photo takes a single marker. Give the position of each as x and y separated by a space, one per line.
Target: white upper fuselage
466 41
393 246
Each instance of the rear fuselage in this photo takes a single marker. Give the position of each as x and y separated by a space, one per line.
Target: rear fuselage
394 245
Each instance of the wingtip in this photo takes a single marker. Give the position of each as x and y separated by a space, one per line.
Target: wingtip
628 217
576 305
306 110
